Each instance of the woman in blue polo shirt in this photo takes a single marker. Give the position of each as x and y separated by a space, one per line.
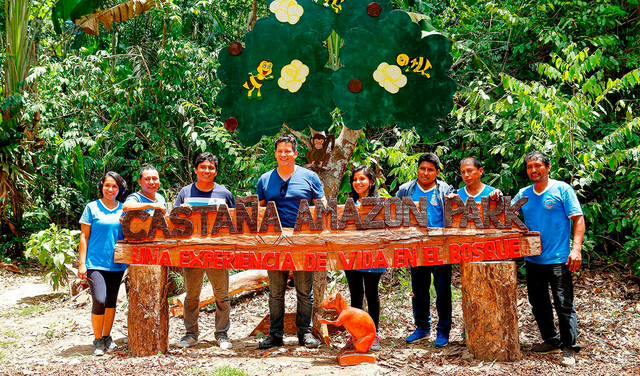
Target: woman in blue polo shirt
365 281
100 229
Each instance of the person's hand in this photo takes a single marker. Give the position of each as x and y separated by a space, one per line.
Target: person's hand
496 194
159 206
82 271
451 195
575 260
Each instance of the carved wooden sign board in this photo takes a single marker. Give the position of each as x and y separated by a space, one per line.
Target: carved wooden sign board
380 233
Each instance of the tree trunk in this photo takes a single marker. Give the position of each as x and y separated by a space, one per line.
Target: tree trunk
331 179
489 306
148 310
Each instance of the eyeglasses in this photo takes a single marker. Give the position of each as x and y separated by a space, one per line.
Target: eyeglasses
283 188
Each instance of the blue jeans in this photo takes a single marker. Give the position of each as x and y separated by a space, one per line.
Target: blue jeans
421 283
277 288
558 277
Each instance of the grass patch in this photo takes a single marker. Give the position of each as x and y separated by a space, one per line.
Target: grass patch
6 343
218 371
33 310
9 333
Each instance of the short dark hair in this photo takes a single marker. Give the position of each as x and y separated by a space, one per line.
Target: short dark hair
373 190
430 157
122 185
473 160
534 156
287 138
206 156
147 168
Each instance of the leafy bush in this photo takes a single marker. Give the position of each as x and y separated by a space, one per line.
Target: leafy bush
55 249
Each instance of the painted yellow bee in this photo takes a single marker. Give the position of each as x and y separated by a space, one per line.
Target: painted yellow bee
416 64
334 4
264 69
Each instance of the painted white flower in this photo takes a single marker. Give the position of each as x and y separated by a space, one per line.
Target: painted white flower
293 75
287 10
390 77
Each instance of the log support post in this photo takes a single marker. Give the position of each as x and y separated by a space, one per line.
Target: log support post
148 320
489 303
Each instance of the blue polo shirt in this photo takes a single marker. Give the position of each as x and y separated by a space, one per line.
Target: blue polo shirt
105 231
302 185
462 192
549 213
435 211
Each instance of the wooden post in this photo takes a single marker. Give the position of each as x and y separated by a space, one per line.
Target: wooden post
489 306
148 310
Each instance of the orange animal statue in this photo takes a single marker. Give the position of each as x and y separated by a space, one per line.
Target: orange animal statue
357 322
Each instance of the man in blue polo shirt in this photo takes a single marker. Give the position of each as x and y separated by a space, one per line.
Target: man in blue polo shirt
147 198
551 209
434 190
471 171
205 191
287 185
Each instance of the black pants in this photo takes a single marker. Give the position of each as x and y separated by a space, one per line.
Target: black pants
558 277
357 280
104 289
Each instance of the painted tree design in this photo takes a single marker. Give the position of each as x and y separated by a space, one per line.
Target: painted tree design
387 70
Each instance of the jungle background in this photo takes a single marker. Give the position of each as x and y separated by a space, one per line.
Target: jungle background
551 75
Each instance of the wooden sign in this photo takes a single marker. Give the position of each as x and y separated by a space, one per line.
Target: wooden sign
380 233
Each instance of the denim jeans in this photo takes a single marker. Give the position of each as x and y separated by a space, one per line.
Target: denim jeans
421 283
277 288
558 276
219 279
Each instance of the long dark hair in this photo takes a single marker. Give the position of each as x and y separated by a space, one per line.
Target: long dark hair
122 185
373 190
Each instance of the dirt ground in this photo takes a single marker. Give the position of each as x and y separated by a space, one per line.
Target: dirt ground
46 333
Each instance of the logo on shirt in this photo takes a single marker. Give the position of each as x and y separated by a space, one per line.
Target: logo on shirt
434 200
548 203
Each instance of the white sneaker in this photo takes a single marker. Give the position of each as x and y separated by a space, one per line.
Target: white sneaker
187 341
223 341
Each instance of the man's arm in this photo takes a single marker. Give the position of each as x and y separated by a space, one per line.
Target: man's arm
575 257
131 205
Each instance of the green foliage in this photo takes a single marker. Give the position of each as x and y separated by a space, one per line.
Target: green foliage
218 371
33 310
55 249
552 75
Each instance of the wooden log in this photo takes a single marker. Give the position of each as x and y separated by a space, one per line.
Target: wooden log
148 320
264 325
489 306
248 280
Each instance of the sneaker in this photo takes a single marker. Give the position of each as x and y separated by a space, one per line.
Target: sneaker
109 345
223 341
98 347
376 345
307 340
419 335
545 348
187 341
349 344
271 341
442 339
568 357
